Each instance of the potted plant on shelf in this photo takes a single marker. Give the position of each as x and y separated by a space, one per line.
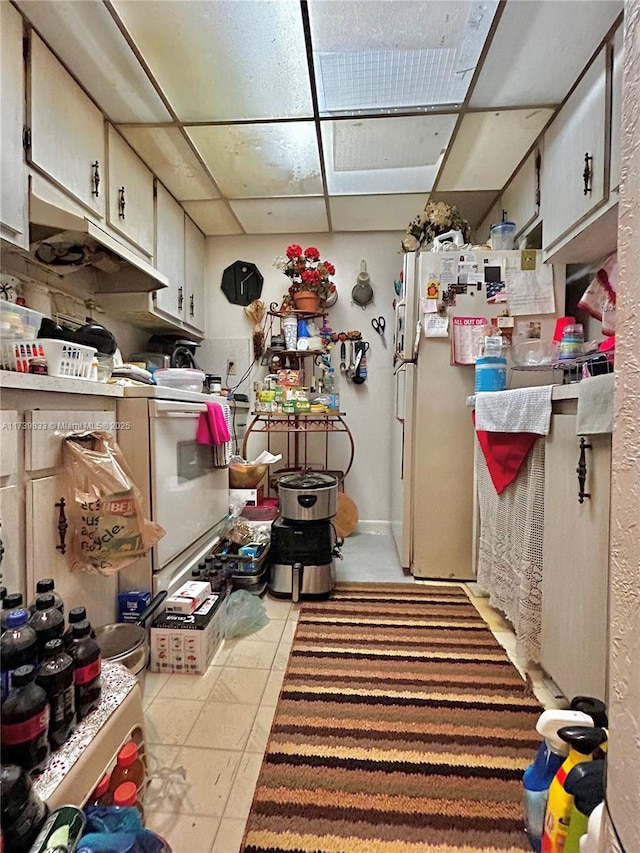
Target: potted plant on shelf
437 218
310 278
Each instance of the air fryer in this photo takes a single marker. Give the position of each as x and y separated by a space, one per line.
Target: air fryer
181 351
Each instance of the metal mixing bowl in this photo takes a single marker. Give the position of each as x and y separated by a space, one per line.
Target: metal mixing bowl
246 476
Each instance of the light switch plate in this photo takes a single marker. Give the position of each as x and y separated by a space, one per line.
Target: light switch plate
528 259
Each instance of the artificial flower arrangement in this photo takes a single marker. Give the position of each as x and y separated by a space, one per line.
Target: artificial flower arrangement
437 218
307 273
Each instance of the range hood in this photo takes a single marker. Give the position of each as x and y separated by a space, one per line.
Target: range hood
62 242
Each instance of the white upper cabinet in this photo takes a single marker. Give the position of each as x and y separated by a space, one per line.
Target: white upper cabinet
13 187
616 108
194 257
170 254
573 174
130 208
520 198
67 131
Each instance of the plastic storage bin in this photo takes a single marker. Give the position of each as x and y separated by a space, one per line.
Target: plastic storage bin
502 234
18 323
63 358
182 378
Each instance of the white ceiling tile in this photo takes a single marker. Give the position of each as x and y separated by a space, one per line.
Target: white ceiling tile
281 215
375 212
255 160
224 60
213 218
373 56
88 42
167 153
539 49
386 155
489 146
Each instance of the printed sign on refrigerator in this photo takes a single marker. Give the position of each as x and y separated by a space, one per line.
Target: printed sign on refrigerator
466 333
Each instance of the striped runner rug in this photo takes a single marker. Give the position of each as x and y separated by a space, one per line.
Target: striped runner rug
402 727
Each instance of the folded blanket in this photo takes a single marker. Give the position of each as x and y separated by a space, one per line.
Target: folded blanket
595 405
520 410
212 426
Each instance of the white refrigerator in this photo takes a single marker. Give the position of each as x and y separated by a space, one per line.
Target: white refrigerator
432 451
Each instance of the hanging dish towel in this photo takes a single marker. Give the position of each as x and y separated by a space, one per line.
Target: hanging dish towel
504 453
520 410
212 426
595 405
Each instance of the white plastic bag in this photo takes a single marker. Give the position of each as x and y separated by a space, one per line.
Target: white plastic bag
245 614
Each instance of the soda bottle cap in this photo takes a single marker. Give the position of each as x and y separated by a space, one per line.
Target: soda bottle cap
81 629
125 794
11 601
45 601
23 675
102 787
77 614
128 754
18 618
52 648
45 585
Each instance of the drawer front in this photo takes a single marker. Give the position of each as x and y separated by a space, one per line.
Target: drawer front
10 429
45 433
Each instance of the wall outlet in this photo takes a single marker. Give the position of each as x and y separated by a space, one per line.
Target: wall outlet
231 368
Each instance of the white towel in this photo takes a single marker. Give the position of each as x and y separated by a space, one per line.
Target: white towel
520 410
595 405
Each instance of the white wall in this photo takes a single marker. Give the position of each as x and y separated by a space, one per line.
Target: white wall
368 406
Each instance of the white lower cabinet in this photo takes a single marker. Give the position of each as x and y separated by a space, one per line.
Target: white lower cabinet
12 536
576 560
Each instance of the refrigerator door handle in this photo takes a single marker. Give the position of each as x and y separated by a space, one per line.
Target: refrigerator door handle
400 379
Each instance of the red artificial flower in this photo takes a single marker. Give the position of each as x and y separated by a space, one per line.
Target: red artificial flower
329 268
332 289
293 251
312 253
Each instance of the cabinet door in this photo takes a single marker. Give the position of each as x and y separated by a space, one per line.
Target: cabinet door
575 562
170 254
579 129
10 429
67 130
616 108
13 187
11 534
194 252
44 559
130 193
519 198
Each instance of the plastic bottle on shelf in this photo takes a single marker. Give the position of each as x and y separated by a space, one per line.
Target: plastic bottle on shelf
22 812
47 585
55 676
330 381
75 615
127 795
129 768
11 601
101 794
25 722
46 621
18 647
87 668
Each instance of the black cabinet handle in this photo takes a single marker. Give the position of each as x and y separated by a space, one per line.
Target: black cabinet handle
62 526
180 298
121 203
588 173
95 168
191 306
581 471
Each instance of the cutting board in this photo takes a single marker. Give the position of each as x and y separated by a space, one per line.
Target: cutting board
346 519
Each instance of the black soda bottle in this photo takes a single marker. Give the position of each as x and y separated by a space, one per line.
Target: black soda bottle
55 676
75 615
46 621
87 667
10 602
18 646
25 722
22 812
47 585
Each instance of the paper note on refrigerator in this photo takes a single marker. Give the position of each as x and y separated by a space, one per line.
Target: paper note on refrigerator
436 325
529 291
465 339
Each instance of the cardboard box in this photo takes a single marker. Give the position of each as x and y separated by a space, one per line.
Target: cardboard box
251 497
184 643
131 604
188 598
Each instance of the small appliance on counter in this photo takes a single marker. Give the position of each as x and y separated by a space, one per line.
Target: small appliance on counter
303 539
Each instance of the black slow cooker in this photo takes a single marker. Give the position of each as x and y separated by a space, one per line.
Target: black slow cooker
311 496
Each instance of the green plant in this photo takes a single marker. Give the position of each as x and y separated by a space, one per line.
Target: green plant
437 218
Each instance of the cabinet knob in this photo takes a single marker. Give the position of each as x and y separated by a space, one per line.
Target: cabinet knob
191 306
121 203
581 471
180 298
62 526
588 173
95 178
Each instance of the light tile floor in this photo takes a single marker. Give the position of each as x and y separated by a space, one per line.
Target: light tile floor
206 735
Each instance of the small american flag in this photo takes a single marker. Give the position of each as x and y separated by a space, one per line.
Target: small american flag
496 291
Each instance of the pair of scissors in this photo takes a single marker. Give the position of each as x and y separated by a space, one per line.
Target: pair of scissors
379 324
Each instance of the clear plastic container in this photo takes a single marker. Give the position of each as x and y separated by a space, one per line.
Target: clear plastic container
502 234
18 323
181 378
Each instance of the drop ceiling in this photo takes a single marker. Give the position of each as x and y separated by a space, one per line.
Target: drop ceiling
279 116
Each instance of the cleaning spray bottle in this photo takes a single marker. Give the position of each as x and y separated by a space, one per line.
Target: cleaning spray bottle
582 742
586 784
538 776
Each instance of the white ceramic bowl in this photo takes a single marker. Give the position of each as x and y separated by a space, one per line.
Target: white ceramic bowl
181 378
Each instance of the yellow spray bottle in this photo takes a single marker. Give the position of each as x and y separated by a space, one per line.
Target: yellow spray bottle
582 743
